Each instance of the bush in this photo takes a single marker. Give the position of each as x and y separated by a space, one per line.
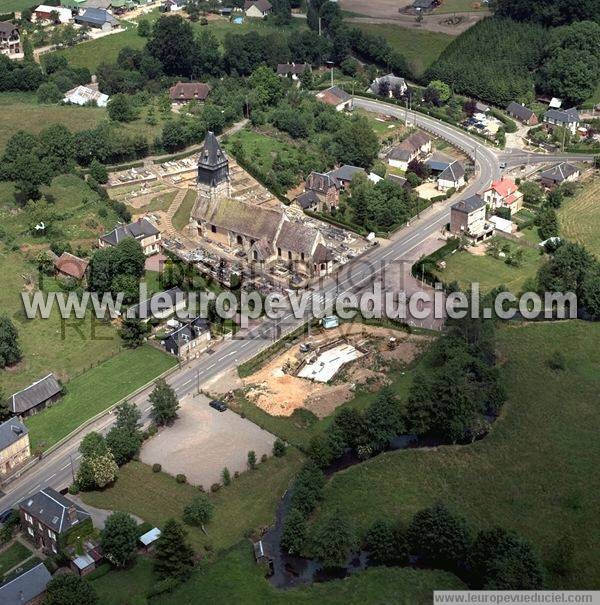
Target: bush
215 487
152 430
226 476
156 467
181 478
252 459
236 475
557 362
279 448
73 489
263 458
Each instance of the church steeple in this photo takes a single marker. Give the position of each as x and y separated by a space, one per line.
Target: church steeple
213 164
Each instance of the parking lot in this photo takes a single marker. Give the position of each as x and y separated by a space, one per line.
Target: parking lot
203 441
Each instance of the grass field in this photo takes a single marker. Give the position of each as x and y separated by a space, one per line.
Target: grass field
579 216
8 6
420 47
459 6
535 472
22 112
489 272
12 556
240 508
96 390
236 578
182 217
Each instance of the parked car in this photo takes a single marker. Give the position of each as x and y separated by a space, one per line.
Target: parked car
218 405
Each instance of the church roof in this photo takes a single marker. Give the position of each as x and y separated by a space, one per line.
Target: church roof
211 154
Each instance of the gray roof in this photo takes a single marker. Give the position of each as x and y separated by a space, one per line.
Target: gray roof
469 205
10 431
262 5
284 69
337 92
482 107
520 111
139 229
562 116
560 172
321 183
96 16
52 509
345 172
407 148
25 587
396 179
391 79
188 332
211 155
6 27
307 199
297 237
168 297
35 394
453 173
438 162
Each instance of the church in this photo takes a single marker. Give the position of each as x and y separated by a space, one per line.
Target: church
266 234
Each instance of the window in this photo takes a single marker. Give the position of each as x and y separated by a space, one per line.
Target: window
289 255
54 548
239 240
28 518
51 534
302 255
213 228
278 251
30 531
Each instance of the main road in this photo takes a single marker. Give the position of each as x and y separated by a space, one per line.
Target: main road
57 468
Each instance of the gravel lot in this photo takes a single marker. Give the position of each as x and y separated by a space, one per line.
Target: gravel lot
203 441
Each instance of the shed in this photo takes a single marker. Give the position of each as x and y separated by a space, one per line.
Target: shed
150 537
36 396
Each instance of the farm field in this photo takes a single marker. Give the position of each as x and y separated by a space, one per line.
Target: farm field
240 508
579 216
95 390
420 47
21 111
536 471
466 268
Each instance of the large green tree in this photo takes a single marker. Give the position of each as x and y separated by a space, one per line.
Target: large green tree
69 589
387 544
173 555
334 539
10 349
172 43
119 539
199 511
164 403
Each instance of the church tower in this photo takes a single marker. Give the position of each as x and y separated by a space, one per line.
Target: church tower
213 171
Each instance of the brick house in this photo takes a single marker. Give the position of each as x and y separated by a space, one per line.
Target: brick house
142 230
14 446
522 113
467 218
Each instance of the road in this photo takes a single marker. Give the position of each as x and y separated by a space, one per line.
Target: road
56 470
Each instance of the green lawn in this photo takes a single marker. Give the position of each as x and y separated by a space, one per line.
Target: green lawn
240 508
8 6
22 112
95 391
420 47
459 6
579 216
12 556
489 272
182 217
536 472
236 578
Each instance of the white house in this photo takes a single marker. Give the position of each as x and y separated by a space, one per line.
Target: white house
566 118
336 97
258 9
83 95
451 177
392 83
43 13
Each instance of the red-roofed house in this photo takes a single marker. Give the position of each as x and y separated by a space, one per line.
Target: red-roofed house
184 92
69 265
504 193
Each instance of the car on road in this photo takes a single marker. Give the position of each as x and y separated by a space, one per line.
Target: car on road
220 406
502 165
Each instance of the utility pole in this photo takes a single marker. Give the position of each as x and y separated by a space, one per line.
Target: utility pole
332 74
320 26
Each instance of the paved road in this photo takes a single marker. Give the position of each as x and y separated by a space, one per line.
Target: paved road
56 469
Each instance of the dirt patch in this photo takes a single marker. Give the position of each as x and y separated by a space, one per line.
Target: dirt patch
276 390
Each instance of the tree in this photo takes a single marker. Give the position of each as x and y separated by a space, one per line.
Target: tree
172 43
69 589
133 332
10 350
387 544
97 471
532 192
119 539
267 86
48 92
278 448
334 539
174 557
164 403
566 270
252 459
98 172
308 489
5 411
319 450
547 223
503 560
591 292
199 511
123 444
294 532
356 143
93 444
444 91
439 538
128 417
144 28
382 421
120 108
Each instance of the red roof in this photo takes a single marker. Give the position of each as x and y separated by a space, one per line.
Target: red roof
511 199
71 265
504 186
189 91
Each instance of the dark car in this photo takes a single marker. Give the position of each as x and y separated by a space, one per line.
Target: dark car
5 516
218 405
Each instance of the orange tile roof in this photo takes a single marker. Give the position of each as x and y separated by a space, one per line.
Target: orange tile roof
504 186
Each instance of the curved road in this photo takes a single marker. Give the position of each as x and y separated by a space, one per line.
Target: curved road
55 470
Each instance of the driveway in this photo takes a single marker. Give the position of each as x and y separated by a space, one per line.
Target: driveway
203 441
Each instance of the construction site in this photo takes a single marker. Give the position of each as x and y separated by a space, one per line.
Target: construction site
323 370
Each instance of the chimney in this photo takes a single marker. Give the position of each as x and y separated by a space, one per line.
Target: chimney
72 513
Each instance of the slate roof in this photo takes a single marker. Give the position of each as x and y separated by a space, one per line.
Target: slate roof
307 199
26 587
559 173
520 111
296 69
11 431
453 173
188 332
334 95
322 254
104 4
96 16
407 148
211 155
189 91
562 116
52 509
71 265
6 27
297 237
391 79
139 229
321 183
469 205
262 5
171 297
396 179
345 172
35 394
438 162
